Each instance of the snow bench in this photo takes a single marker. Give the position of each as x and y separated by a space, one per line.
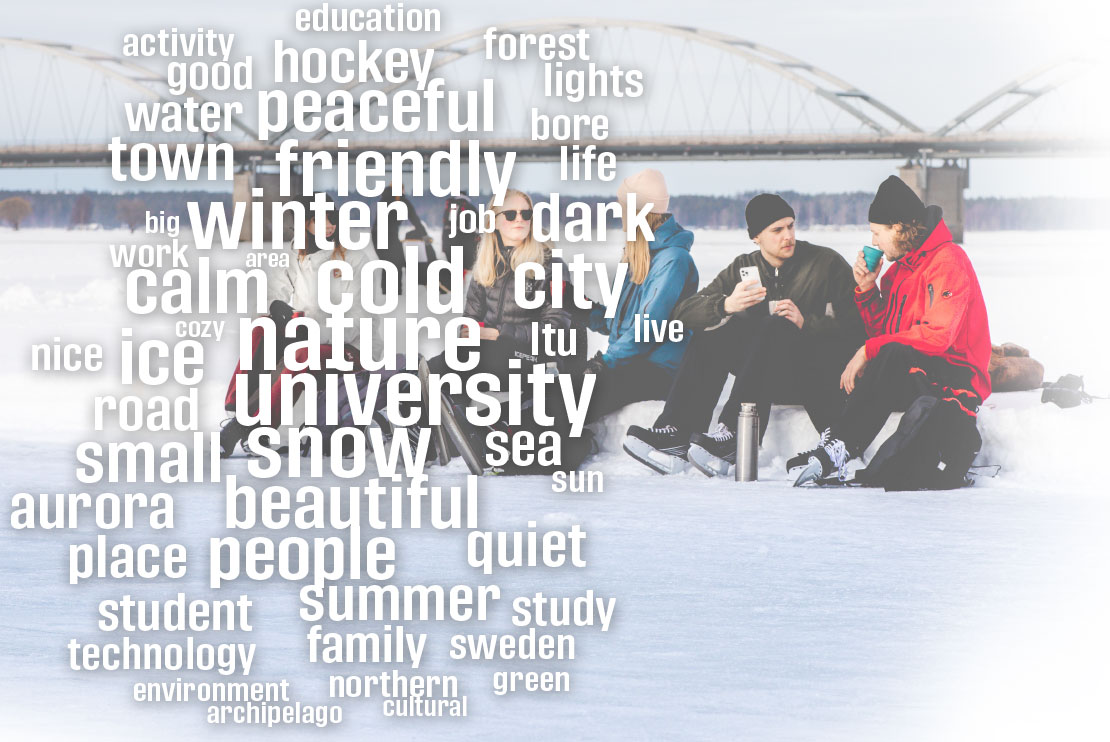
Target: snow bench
1019 432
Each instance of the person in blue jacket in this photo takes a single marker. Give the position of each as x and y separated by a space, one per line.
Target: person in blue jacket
661 273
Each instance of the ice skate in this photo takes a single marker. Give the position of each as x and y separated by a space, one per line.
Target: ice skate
801 460
662 449
829 459
713 454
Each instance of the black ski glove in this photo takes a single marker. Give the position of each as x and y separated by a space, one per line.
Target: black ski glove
596 364
280 312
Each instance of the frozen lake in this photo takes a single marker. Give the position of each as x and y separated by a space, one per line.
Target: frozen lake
742 611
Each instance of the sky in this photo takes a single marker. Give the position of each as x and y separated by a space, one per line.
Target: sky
927 60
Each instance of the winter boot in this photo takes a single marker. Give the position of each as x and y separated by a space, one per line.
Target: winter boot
663 449
713 453
829 459
232 433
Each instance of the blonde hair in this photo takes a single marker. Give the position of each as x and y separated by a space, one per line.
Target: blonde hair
906 236
637 252
490 264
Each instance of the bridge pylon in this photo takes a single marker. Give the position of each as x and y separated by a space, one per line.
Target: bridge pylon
942 185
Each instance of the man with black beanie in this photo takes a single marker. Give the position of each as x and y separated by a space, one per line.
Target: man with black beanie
394 249
926 326
785 336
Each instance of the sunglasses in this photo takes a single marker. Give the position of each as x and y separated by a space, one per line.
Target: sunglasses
510 215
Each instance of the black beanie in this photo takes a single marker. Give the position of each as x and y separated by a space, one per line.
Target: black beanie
764 210
896 203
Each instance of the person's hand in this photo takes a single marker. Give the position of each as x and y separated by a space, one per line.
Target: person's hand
853 370
744 295
488 333
788 309
596 364
865 279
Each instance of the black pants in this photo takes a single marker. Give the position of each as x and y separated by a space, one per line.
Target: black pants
493 358
772 360
891 381
397 257
614 388
281 313
639 381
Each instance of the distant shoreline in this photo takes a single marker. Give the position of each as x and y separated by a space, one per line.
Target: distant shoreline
68 209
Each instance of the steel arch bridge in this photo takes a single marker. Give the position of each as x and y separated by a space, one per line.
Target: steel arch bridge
708 95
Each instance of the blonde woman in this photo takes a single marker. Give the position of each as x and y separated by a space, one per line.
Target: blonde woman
506 327
661 273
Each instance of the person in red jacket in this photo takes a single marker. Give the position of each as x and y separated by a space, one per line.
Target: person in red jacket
926 329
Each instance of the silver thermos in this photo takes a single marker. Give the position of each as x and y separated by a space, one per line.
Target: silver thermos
747 443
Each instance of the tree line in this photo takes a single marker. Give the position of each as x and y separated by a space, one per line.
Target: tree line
127 210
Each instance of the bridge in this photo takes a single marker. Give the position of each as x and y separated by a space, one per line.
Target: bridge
707 95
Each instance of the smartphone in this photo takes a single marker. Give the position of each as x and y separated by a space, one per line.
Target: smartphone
750 273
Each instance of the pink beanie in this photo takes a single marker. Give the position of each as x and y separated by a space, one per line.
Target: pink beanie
649 187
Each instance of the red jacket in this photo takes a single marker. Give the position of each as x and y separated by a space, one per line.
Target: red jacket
930 300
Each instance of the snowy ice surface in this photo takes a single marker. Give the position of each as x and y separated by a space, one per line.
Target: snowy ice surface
743 611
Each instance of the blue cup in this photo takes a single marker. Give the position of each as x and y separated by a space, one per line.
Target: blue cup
871 256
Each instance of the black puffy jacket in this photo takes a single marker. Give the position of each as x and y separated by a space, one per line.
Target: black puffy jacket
497 308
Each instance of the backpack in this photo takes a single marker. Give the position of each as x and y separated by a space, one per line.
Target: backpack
932 449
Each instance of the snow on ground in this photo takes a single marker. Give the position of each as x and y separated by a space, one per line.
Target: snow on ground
743 611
